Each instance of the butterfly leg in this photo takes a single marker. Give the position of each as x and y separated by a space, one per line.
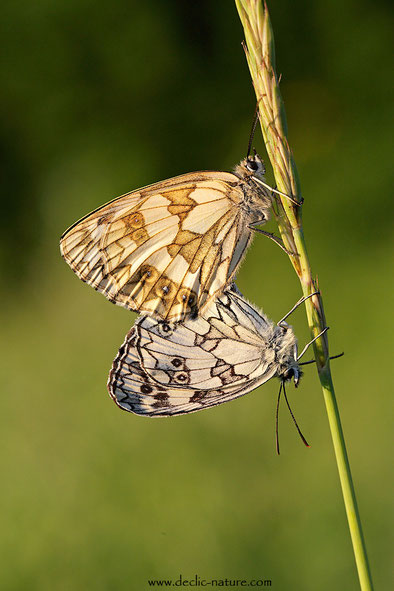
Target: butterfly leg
296 305
314 360
260 182
312 341
277 240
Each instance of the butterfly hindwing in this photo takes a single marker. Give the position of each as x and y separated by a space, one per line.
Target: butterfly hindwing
167 249
133 389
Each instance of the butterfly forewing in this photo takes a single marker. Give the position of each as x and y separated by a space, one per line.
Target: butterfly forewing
167 249
166 369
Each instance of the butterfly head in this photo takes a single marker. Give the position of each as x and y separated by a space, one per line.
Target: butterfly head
257 199
292 372
251 167
288 367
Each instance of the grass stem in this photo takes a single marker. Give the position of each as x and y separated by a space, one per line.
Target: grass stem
260 55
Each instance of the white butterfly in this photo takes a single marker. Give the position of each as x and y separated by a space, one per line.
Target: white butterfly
230 349
170 248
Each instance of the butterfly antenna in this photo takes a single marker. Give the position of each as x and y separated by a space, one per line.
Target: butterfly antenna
277 420
252 131
314 360
293 417
304 350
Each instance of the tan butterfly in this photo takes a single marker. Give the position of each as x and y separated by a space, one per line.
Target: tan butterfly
170 248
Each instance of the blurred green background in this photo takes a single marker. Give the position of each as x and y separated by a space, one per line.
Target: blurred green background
98 99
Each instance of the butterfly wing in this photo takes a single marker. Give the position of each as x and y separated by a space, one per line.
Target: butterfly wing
221 346
165 250
134 390
164 369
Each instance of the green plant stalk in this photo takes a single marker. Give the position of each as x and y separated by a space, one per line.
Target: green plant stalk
260 56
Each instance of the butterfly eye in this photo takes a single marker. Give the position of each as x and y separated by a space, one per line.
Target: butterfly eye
288 374
283 326
252 165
